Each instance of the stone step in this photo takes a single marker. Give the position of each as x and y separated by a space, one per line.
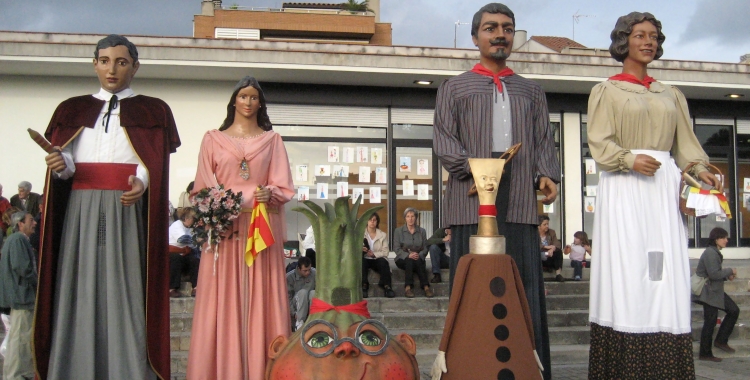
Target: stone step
179 365
440 290
397 275
743 270
412 321
696 314
407 305
567 302
569 287
739 285
567 272
567 318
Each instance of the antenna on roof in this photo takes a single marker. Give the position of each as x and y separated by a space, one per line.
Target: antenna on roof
576 16
455 30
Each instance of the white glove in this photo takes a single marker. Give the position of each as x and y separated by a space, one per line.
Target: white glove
438 366
538 363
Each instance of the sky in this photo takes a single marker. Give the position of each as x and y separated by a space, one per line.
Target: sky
696 30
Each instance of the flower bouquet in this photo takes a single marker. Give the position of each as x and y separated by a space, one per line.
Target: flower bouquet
216 208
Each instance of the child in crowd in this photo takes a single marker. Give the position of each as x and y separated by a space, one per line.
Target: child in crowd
577 252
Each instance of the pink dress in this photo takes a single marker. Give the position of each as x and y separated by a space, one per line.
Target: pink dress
241 309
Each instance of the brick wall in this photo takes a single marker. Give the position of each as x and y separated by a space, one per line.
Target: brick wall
286 22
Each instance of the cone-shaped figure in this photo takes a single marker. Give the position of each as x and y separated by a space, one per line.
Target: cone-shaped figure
339 340
488 332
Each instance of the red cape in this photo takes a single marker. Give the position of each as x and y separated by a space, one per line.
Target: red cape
153 135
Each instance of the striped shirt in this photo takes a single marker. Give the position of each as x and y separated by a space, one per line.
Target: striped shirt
463 130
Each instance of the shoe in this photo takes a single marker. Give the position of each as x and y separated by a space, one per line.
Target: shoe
436 279
389 293
724 347
559 278
365 288
710 358
578 278
174 293
428 292
408 292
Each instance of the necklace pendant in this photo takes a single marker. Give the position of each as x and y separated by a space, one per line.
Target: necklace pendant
244 173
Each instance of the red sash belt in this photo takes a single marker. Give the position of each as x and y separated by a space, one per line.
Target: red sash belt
103 176
487 210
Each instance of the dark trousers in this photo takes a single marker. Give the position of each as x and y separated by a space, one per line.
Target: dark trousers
410 266
578 267
310 254
555 262
710 314
379 265
438 259
178 263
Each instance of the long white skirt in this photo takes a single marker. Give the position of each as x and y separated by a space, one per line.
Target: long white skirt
636 214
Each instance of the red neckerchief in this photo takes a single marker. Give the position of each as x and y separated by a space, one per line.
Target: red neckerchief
359 308
630 78
481 70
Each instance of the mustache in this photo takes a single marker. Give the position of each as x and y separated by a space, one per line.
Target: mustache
499 41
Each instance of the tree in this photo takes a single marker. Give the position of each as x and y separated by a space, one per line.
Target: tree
355 6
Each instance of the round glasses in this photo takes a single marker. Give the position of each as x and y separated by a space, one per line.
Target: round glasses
320 338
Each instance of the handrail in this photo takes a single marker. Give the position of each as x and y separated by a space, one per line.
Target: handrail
295 10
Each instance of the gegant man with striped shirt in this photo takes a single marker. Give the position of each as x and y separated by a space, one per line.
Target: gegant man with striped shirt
480 114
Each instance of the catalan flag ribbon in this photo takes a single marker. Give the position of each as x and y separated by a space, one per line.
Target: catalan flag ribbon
722 199
259 235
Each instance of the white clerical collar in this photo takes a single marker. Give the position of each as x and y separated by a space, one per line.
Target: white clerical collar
106 95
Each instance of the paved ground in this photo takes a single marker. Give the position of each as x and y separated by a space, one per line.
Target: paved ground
729 369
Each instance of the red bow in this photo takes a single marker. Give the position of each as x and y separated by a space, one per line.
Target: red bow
481 70
630 78
359 308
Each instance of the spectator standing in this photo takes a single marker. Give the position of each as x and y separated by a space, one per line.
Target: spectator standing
18 276
437 247
4 206
183 253
410 241
300 286
375 257
577 252
308 245
552 255
713 296
25 199
184 202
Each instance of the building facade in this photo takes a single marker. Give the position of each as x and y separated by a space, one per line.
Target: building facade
360 117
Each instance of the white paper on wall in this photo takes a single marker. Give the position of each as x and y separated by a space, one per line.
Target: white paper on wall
407 187
303 193
374 195
322 191
423 192
381 175
333 154
364 174
342 189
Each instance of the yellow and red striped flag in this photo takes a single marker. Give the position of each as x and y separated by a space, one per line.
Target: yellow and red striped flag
259 235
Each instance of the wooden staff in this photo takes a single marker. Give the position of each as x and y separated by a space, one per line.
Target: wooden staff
41 141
